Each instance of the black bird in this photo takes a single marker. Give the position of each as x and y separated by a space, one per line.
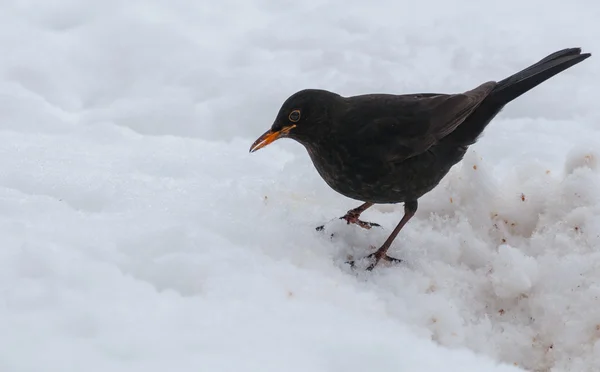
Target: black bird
384 148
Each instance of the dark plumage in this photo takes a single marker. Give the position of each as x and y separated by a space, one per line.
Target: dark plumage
383 148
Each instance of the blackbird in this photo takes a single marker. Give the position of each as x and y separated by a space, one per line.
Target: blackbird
385 148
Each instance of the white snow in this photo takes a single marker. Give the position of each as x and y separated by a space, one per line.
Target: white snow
138 234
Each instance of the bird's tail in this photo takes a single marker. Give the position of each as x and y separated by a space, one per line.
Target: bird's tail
527 79
512 87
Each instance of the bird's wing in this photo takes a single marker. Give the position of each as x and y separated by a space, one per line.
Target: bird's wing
399 127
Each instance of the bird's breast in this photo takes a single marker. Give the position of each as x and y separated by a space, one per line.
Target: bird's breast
360 177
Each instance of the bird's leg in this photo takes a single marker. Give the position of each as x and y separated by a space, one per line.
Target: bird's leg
353 215
410 208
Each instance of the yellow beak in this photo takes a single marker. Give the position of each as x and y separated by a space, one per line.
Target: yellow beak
270 136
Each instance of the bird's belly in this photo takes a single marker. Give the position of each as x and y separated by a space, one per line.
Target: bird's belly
374 181
395 187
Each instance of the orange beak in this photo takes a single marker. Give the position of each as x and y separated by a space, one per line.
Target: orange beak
270 136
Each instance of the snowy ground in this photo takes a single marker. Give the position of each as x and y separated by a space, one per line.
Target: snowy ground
138 234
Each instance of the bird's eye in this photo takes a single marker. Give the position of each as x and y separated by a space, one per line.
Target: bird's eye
294 116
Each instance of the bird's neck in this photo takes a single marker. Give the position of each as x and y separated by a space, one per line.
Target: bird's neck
315 143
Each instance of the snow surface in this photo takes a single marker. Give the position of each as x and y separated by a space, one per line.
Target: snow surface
138 234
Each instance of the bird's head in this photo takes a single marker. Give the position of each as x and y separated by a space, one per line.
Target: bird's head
303 116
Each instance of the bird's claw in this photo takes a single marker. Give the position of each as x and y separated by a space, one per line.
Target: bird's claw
375 258
353 218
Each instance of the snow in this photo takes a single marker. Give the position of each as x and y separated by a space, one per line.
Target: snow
138 234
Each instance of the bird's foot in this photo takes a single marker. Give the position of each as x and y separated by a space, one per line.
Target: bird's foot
352 217
375 258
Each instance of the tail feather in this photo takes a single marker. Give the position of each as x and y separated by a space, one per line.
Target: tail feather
527 79
510 88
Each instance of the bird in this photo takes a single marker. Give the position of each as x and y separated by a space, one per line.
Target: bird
385 148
